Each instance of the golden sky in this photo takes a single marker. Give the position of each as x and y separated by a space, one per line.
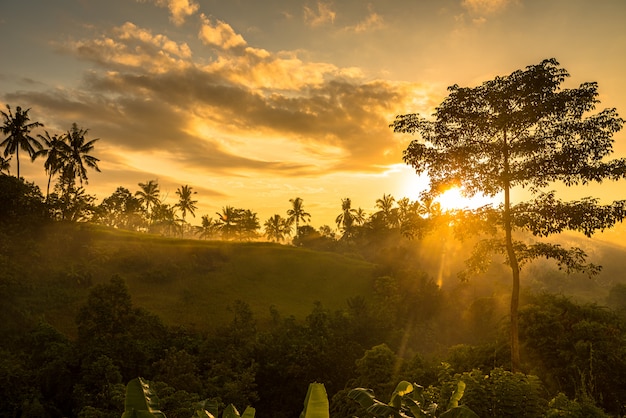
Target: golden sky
253 103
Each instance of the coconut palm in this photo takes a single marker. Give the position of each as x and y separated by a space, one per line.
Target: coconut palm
346 219
5 164
149 194
386 210
297 213
228 221
360 216
17 128
164 215
79 158
185 201
277 227
56 151
208 228
248 224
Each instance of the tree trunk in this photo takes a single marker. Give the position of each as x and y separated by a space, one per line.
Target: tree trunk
514 332
510 251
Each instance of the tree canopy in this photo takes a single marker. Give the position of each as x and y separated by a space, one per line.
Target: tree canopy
522 130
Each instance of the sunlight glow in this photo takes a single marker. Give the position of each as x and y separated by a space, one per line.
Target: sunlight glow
453 199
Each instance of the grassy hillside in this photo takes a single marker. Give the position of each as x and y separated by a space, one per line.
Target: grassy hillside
185 282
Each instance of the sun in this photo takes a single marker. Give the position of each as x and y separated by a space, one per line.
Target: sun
453 199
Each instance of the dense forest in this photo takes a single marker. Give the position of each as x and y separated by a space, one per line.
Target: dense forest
397 322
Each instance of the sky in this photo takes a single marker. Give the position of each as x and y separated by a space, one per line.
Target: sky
253 103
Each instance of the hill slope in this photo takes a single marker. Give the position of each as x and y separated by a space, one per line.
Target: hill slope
185 282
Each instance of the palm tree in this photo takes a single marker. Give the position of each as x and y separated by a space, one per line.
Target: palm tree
228 221
248 224
297 213
388 213
164 215
79 158
208 227
5 164
149 194
56 151
360 216
185 203
345 220
17 128
277 227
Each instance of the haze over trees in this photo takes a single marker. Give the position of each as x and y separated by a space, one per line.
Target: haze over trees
521 130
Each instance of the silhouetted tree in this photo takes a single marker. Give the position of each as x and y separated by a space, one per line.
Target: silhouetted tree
5 165
386 211
163 218
346 219
521 130
277 227
208 227
248 224
228 221
149 194
185 202
17 128
297 212
57 151
79 158
120 210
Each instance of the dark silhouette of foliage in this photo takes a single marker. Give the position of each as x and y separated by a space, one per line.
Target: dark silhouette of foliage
21 204
578 349
297 213
79 158
149 195
17 129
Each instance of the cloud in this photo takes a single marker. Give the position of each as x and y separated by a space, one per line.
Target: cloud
219 34
373 21
320 15
129 46
146 95
179 9
485 7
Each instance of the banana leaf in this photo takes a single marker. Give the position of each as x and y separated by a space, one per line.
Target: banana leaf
141 401
206 409
402 388
316 402
250 412
365 397
459 412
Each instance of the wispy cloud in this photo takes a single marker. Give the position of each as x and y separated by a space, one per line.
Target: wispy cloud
485 7
321 14
179 9
372 21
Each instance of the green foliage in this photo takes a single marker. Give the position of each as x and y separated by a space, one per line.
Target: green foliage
561 406
141 401
578 349
316 402
408 400
499 393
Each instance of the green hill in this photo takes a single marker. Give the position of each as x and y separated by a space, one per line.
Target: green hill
185 282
